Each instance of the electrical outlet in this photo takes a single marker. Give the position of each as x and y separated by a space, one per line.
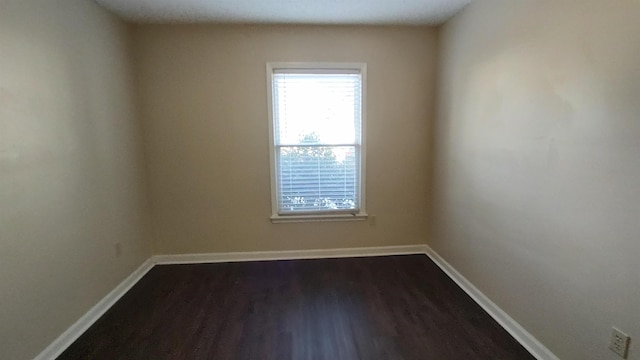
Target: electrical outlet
118 249
619 343
372 220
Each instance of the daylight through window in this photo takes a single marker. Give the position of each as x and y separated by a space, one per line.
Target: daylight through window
317 139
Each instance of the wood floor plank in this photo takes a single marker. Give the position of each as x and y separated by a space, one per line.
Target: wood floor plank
393 307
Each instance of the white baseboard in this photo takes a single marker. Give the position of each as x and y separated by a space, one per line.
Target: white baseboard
79 327
528 341
288 254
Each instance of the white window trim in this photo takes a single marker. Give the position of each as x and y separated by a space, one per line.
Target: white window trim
324 216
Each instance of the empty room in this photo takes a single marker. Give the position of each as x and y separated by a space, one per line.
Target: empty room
300 179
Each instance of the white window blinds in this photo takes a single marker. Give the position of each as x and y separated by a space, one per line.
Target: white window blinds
317 117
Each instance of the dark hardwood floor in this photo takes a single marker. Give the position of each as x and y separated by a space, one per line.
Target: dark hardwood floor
394 307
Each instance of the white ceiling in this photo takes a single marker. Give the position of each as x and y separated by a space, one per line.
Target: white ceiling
426 12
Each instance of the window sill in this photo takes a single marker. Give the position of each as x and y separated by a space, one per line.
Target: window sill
277 219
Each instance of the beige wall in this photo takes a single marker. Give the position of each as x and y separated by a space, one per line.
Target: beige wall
538 165
204 108
535 152
70 168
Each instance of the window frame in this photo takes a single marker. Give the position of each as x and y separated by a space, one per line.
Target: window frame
326 67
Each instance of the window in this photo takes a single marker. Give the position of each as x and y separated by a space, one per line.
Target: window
317 147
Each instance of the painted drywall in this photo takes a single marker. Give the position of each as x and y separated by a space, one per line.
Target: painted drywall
70 168
203 97
537 153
